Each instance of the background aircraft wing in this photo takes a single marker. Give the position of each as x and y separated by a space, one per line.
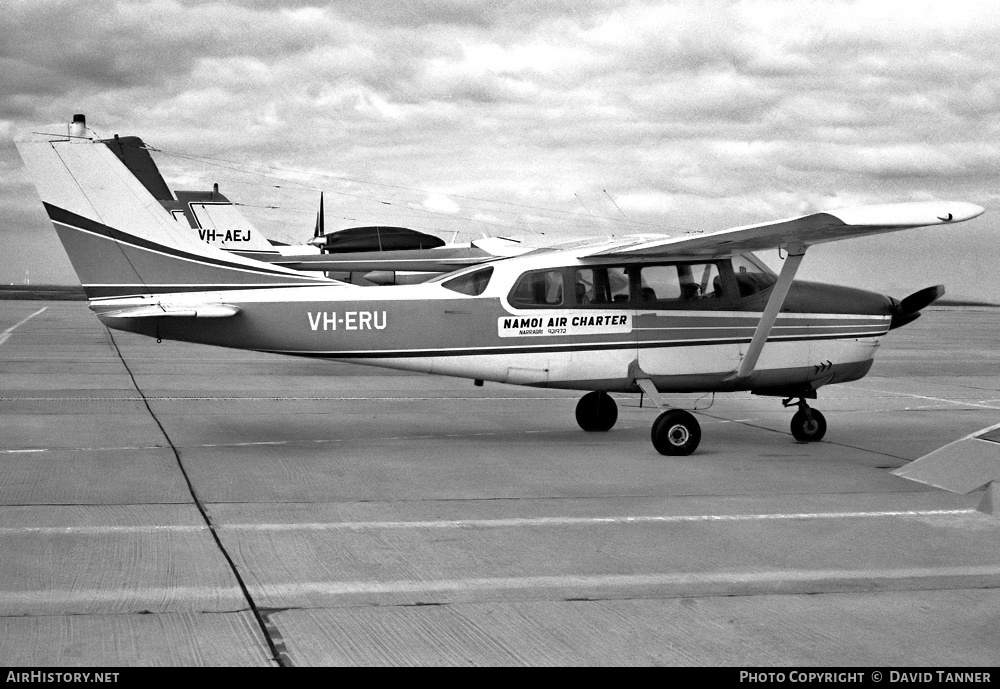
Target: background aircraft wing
804 231
432 260
961 466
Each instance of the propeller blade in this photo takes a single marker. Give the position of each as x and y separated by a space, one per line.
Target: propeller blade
908 310
921 298
901 319
320 229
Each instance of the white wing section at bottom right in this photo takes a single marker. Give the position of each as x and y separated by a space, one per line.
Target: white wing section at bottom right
962 467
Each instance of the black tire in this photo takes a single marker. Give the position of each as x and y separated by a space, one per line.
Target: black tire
596 412
676 432
808 427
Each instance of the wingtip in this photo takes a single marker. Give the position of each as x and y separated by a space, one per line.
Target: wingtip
915 214
965 211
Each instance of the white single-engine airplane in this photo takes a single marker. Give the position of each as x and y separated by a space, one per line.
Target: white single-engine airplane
695 313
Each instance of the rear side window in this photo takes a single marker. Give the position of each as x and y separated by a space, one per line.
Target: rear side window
473 283
541 288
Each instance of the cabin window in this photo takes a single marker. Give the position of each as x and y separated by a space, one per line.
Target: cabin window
752 276
473 283
604 285
682 282
542 288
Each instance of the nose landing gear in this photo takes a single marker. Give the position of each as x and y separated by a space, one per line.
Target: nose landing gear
808 424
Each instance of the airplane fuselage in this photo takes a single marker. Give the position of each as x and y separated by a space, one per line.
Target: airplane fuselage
509 334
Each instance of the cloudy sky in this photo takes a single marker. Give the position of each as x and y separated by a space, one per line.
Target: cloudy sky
541 119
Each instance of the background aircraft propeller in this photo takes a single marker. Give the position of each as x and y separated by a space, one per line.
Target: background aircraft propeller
320 229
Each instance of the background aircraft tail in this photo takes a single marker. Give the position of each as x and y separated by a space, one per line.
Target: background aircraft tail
119 238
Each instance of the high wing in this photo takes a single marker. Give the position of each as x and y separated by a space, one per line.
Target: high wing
798 233
795 235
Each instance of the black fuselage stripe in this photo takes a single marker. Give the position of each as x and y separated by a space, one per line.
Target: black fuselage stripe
78 222
593 346
114 292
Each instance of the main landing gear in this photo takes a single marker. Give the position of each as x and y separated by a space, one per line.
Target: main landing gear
675 431
808 424
596 411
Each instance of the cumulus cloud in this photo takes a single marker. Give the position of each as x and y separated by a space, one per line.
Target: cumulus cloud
439 203
694 114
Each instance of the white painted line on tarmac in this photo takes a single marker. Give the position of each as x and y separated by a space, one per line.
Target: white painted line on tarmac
157 598
232 398
584 521
682 583
682 579
95 530
7 333
101 530
88 449
66 398
960 403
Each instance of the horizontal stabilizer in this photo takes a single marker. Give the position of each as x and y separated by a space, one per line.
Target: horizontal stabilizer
185 311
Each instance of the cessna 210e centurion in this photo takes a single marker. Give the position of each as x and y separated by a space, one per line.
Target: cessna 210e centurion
694 313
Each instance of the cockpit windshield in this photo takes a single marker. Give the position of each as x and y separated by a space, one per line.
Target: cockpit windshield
752 275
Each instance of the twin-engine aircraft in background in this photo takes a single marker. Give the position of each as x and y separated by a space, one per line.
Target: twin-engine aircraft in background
370 255
694 313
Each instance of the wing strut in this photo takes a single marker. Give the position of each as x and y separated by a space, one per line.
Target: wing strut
771 311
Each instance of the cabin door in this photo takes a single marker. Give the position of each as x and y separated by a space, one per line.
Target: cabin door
684 328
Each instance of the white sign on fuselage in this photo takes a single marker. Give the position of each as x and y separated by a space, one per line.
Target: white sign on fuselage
565 323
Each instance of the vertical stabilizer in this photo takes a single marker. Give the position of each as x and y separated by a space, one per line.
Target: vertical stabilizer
119 238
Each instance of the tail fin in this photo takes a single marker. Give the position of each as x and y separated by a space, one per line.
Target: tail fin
119 238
